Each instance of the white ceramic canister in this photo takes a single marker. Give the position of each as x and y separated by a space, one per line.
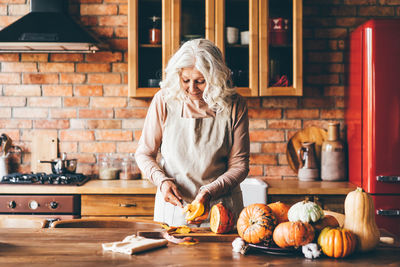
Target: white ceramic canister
3 166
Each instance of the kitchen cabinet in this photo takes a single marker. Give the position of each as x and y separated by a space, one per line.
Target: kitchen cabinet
117 205
329 195
270 64
327 202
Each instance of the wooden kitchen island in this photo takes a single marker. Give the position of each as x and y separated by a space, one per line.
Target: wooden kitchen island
82 247
135 198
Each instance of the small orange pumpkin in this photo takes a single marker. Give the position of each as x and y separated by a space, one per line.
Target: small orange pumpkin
256 223
337 242
293 234
280 210
328 220
221 219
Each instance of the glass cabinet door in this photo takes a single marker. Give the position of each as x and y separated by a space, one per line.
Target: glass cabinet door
191 19
280 47
237 37
146 46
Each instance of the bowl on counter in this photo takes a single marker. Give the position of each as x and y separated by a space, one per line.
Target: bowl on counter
153 82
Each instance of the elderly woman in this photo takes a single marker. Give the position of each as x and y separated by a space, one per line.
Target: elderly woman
200 125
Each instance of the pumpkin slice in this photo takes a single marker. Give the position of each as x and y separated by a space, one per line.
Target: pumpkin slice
183 229
193 210
221 219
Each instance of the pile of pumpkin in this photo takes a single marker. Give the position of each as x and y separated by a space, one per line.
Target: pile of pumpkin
305 222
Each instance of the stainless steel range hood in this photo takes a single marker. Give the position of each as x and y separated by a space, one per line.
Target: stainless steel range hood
47 29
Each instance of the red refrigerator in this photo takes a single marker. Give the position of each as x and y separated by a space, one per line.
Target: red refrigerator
373 117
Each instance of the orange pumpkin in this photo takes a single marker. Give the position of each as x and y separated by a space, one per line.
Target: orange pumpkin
256 223
328 220
221 219
280 210
293 234
337 242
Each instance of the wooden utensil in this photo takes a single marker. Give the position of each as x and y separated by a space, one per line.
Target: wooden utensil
6 144
309 134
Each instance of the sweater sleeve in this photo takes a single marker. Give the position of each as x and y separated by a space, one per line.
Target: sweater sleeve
238 161
150 141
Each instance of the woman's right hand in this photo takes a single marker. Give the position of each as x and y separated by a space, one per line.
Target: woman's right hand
171 193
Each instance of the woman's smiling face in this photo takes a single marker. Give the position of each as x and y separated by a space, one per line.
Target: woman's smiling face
193 82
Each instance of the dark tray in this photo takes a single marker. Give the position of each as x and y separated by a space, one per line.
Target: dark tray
276 250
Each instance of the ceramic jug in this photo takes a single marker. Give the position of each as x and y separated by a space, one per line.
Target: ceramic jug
308 169
333 163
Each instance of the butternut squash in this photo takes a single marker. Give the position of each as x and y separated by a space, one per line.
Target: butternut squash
360 219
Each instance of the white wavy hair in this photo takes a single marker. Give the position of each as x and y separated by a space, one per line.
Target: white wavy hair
207 59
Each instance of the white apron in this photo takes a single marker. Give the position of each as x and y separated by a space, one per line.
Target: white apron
195 152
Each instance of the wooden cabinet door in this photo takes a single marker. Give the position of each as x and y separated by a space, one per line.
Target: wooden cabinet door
242 58
117 205
181 21
331 202
281 47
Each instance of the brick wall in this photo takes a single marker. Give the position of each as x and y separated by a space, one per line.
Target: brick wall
82 96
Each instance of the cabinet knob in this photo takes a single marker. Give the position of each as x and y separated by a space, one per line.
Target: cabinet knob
128 205
53 205
12 204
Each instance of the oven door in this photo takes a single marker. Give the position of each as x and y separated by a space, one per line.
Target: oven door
46 205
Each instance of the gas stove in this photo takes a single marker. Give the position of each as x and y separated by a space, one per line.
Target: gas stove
45 179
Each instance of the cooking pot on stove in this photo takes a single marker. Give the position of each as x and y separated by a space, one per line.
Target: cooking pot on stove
62 165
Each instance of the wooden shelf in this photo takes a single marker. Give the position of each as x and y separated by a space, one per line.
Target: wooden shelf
237 46
150 45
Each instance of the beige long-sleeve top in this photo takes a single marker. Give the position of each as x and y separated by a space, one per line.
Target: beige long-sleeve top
150 142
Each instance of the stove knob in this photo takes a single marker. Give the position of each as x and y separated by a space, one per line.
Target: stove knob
53 205
33 205
12 204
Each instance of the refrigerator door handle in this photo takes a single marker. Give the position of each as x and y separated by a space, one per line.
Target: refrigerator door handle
382 178
388 212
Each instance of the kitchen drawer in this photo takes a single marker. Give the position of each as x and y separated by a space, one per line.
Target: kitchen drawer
288 199
327 202
331 202
117 205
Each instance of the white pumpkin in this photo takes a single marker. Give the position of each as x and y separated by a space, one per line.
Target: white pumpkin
305 211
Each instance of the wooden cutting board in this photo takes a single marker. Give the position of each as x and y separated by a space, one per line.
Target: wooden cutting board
44 147
205 234
202 234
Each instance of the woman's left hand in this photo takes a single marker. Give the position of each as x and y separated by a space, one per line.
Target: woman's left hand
202 197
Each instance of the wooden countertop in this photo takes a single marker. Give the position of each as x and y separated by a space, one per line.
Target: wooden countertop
82 247
296 187
143 186
91 187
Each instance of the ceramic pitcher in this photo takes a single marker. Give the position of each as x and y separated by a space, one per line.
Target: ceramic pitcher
308 169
